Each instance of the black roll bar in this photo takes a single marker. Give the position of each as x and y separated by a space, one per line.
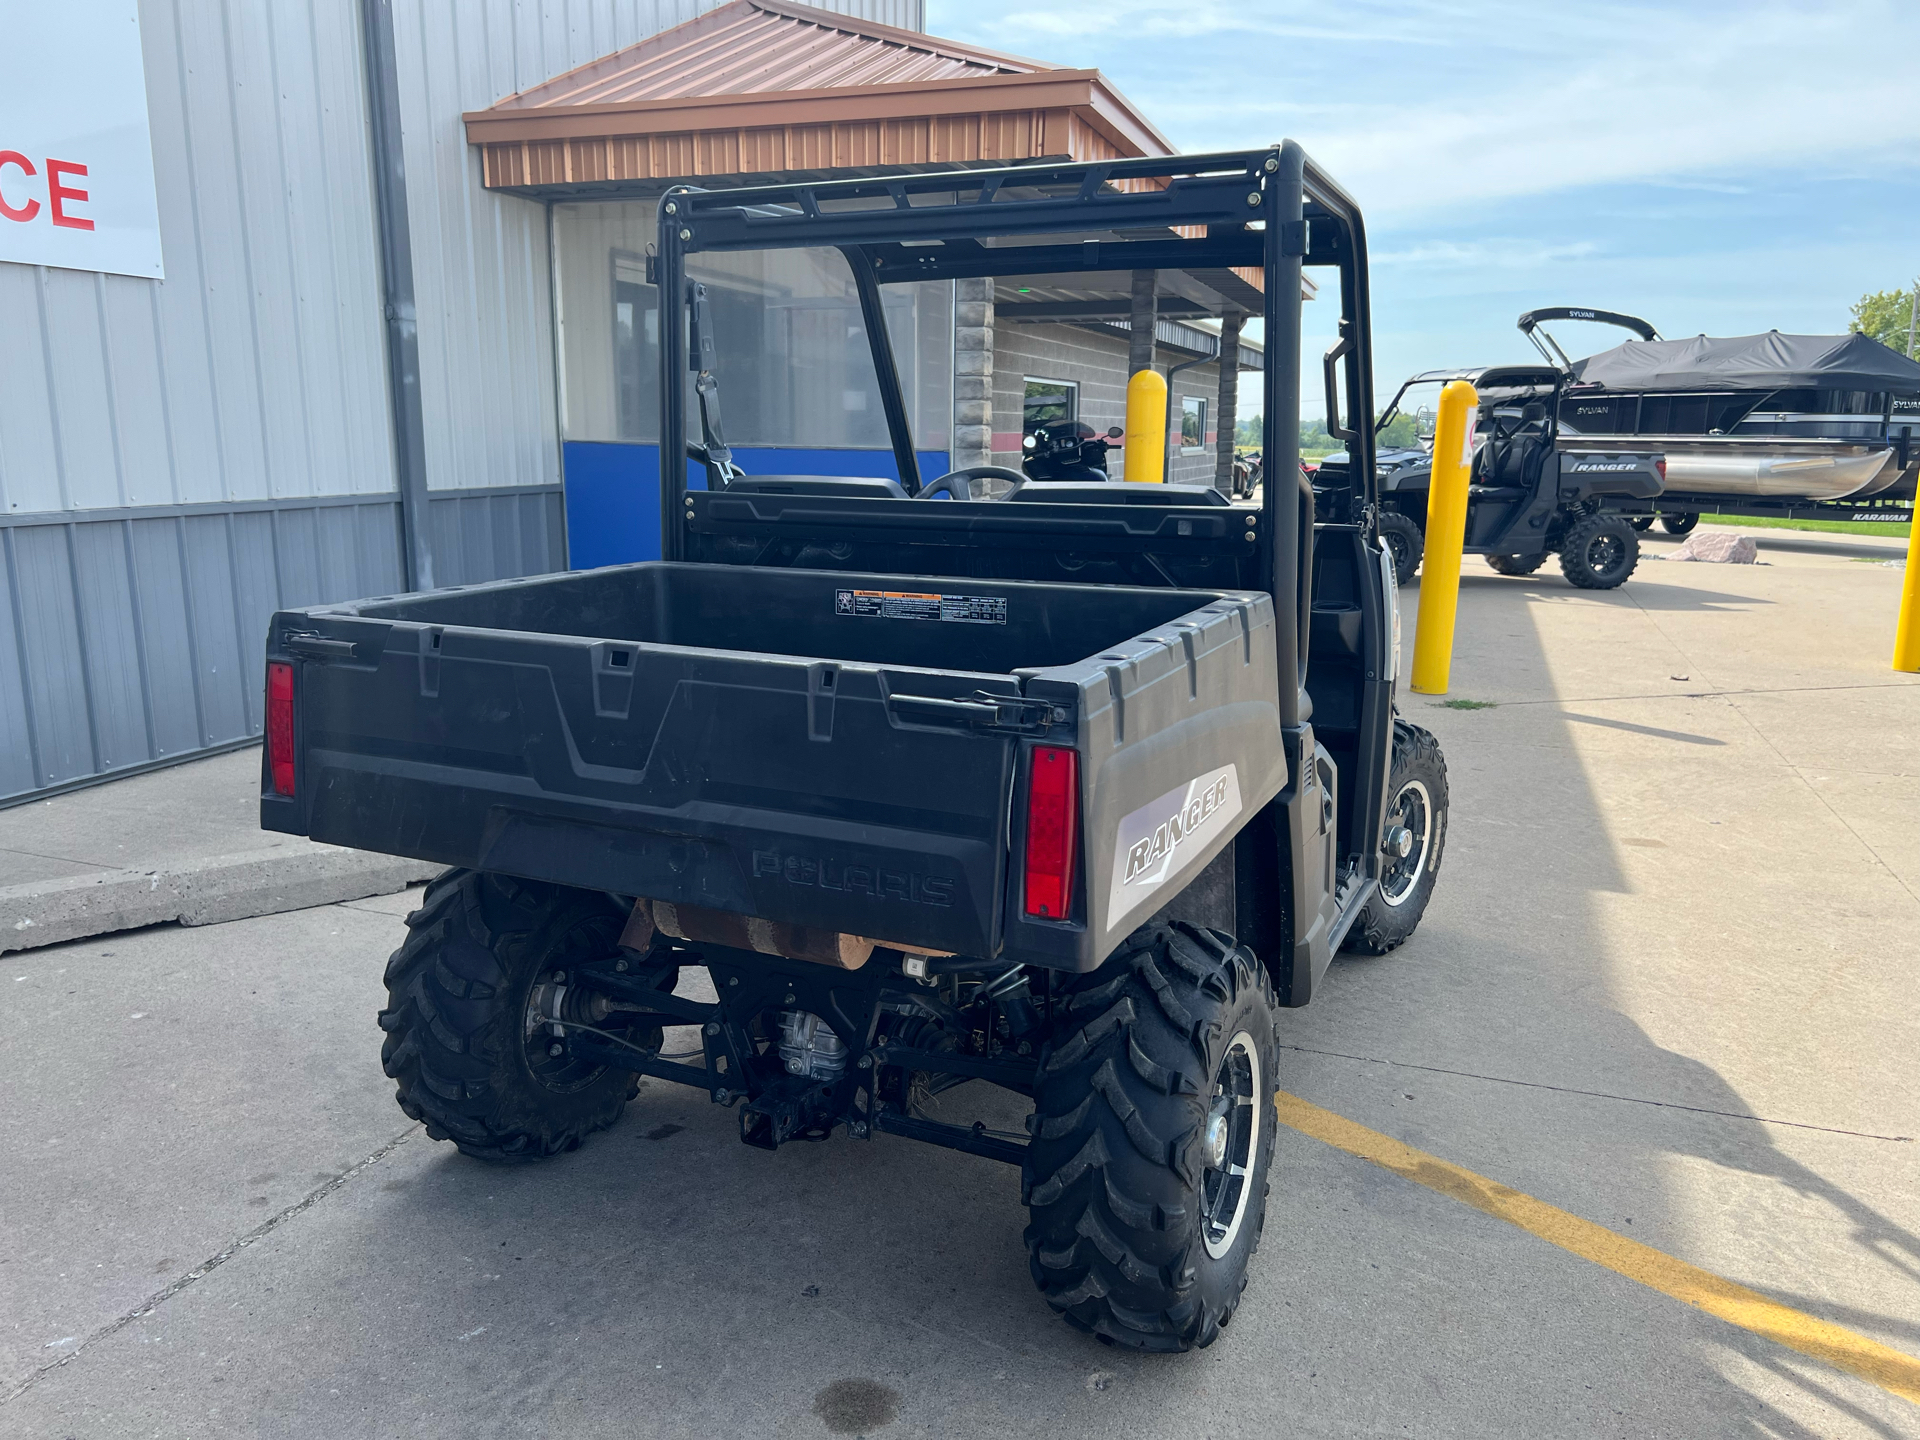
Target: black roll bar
892 397
883 227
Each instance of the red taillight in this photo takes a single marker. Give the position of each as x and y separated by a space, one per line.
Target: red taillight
1661 466
280 726
1053 831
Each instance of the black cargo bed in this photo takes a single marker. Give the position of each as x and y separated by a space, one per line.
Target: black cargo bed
823 748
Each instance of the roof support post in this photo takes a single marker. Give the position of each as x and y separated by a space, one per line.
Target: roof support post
396 270
886 369
1226 411
1286 499
973 324
1141 320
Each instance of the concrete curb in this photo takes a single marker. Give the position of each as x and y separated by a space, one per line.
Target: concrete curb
207 891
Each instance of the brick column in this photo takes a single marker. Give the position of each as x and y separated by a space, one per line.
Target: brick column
1227 409
972 373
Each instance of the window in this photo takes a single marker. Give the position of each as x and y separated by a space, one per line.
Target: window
636 347
794 365
1048 401
1193 423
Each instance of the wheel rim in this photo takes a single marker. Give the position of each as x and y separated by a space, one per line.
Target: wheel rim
1231 1140
1401 548
1413 808
1604 554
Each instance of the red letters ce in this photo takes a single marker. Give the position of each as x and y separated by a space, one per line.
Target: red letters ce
17 212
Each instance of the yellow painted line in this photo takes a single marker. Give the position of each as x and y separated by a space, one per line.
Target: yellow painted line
1890 1369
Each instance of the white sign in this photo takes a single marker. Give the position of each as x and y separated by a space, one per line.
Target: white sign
76 162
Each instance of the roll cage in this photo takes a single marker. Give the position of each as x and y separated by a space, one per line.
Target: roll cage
1273 210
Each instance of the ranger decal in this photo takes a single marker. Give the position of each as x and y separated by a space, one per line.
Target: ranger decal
1160 839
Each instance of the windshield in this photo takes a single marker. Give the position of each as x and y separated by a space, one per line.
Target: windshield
1408 420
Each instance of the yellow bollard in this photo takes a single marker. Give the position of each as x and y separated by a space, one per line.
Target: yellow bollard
1906 638
1446 535
1146 427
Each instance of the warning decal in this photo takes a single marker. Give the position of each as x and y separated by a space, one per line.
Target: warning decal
916 605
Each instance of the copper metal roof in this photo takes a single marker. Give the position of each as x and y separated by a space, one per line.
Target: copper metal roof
766 88
755 47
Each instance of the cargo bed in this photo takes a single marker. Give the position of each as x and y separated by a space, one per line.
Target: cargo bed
826 749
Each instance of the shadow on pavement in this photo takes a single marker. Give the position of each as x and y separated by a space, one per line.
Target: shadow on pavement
1512 978
1653 731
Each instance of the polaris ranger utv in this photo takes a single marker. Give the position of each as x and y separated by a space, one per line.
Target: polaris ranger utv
1066 791
1534 491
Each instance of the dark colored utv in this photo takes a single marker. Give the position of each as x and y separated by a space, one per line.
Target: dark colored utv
1534 491
1066 791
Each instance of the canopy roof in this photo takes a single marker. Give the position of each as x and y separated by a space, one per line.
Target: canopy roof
774 90
1751 362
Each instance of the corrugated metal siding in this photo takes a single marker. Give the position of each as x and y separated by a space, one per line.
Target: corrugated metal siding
1009 136
129 637
479 257
180 458
256 369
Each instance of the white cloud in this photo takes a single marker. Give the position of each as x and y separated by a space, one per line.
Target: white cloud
1504 254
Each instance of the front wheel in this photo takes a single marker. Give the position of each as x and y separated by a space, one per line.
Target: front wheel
1413 839
1679 524
479 1010
1153 1132
1599 552
1405 542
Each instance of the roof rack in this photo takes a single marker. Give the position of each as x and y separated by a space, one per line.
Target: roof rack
1215 193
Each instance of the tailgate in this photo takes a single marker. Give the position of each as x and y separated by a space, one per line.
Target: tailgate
812 792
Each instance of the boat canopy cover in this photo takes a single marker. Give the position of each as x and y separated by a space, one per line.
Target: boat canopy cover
1751 362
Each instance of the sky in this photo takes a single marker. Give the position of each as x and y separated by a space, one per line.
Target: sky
1715 166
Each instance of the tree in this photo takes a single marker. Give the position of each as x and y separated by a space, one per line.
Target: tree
1886 316
1402 433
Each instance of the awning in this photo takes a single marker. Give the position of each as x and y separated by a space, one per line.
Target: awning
768 90
765 89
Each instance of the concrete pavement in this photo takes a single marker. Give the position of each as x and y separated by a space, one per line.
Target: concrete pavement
1667 984
183 843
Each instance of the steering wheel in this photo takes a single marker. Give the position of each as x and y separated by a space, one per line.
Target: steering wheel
956 484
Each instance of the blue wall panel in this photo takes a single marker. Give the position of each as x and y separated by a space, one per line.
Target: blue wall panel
613 490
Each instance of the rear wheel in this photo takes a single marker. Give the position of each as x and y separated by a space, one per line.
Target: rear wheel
1152 1135
1517 564
1599 552
1679 524
1404 541
1414 840
1642 523
469 1043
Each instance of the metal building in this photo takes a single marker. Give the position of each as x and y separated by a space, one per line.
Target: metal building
345 384
406 339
